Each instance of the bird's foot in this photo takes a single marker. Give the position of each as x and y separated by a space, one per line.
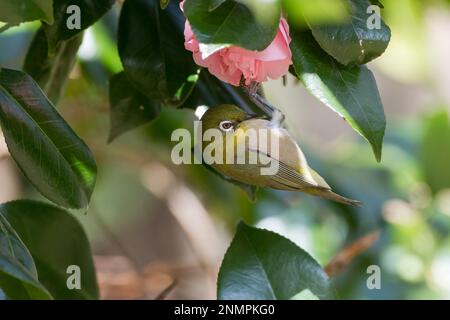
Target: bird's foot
277 119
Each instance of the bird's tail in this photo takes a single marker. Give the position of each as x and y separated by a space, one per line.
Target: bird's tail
330 195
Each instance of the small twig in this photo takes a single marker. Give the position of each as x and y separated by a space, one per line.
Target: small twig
346 255
167 290
5 27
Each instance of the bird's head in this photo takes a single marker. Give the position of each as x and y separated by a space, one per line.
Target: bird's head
225 117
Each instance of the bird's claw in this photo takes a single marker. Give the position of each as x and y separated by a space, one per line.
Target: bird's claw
277 119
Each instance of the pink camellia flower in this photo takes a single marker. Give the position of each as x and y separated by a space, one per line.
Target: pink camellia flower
231 63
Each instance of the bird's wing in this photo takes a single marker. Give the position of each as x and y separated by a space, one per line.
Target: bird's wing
288 176
320 181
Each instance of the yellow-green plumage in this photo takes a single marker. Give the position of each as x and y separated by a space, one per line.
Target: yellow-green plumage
294 173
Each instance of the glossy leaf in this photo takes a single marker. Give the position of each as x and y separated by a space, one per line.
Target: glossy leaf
90 12
164 3
350 91
265 12
151 47
51 69
56 241
128 107
214 4
302 13
231 23
53 50
377 2
354 42
15 12
18 274
263 265
435 151
49 153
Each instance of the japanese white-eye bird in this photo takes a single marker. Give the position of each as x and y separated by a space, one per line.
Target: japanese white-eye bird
293 172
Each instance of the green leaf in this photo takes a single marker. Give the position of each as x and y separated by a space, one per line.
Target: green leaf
128 107
263 265
354 43
18 275
90 12
214 4
56 241
349 91
163 3
15 12
53 50
306 294
105 47
49 153
435 151
377 2
302 13
151 47
51 69
266 12
232 23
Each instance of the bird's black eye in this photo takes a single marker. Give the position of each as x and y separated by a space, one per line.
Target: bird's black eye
226 125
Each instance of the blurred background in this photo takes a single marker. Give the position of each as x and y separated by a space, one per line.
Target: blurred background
160 230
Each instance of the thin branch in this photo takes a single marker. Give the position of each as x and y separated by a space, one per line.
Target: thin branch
346 255
5 27
167 290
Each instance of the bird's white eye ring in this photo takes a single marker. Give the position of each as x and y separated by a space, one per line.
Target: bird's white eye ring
226 125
